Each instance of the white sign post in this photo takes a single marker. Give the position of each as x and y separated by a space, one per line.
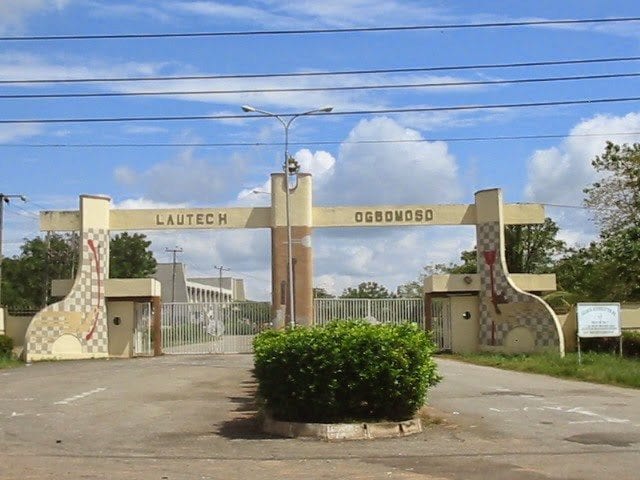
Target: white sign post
598 320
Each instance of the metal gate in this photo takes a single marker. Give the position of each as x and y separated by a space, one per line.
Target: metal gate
441 323
386 310
142 339
220 327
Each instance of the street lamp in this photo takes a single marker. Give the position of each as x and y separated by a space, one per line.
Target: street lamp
290 168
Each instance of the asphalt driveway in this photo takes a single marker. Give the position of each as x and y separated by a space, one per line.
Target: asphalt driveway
192 417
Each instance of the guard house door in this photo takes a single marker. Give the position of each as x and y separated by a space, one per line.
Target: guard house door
142 341
441 323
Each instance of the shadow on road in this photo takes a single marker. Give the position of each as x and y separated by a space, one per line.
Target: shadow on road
246 425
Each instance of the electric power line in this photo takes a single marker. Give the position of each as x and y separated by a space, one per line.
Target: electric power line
333 113
313 142
450 26
388 86
23 211
481 66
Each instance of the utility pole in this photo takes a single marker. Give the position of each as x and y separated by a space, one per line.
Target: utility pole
220 269
173 276
5 199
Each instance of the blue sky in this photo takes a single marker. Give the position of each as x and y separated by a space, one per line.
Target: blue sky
548 170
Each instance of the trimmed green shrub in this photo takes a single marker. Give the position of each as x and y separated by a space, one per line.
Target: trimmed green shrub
345 371
6 346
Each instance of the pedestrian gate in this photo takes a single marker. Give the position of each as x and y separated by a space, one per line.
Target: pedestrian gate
441 323
142 336
220 327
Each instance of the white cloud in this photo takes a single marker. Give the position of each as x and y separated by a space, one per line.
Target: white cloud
27 66
198 179
144 203
558 174
307 13
125 175
144 129
319 164
392 173
17 131
13 13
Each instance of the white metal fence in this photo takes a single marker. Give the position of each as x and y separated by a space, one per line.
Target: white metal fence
386 310
220 327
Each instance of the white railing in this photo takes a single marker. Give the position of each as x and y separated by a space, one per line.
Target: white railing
386 310
220 327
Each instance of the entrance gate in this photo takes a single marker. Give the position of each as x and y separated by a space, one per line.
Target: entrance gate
79 322
386 310
220 327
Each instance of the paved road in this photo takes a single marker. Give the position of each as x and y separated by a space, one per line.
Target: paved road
185 417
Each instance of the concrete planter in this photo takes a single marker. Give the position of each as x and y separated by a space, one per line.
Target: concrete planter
342 431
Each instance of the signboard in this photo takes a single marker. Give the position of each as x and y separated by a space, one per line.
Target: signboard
599 320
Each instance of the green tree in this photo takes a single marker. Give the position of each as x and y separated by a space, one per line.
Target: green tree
26 277
469 263
532 248
609 270
130 256
621 254
581 273
319 292
528 249
615 198
367 290
411 290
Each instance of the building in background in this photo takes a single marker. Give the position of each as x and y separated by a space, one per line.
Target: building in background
196 290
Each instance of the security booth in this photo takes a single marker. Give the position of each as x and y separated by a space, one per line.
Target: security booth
133 312
453 311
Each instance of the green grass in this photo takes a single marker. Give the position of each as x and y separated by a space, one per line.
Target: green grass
596 367
9 362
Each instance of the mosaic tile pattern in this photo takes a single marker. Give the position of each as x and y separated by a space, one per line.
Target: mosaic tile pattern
82 313
502 306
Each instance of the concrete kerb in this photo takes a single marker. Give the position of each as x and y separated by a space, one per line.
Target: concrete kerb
342 431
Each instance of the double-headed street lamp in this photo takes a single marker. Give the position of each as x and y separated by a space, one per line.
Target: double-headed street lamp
290 168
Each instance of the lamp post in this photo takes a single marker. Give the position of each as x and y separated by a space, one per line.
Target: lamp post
290 168
4 198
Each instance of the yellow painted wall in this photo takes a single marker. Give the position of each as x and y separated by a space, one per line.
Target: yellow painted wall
120 336
464 333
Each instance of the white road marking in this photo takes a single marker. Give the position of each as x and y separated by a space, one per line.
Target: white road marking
26 399
596 417
68 400
581 411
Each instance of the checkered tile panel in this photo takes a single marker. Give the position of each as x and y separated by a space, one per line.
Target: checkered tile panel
82 313
526 310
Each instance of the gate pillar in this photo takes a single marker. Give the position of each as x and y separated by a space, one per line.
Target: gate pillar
508 315
300 220
76 327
